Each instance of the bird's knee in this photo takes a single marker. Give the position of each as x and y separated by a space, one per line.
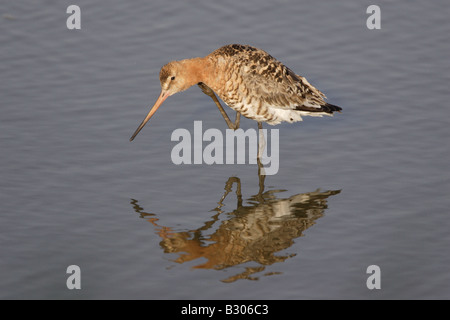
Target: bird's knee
205 89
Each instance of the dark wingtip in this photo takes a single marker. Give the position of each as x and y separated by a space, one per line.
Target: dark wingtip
327 108
330 108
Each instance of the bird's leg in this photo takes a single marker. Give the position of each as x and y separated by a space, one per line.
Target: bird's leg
262 177
261 141
237 121
209 92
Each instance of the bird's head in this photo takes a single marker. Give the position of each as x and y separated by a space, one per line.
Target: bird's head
175 76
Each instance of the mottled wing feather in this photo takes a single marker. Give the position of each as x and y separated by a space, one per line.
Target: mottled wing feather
273 82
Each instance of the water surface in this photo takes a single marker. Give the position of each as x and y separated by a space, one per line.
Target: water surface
368 186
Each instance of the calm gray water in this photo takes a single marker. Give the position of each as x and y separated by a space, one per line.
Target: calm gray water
367 187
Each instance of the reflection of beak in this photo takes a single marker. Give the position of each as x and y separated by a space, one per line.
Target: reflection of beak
163 96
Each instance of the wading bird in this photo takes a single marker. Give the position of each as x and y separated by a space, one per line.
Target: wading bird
248 80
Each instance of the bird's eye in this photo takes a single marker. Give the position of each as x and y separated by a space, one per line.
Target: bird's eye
173 78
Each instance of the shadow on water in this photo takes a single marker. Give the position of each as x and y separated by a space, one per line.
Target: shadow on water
253 232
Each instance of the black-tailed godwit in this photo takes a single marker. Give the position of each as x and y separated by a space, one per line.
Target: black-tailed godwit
248 80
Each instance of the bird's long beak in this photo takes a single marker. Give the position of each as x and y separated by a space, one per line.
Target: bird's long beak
163 96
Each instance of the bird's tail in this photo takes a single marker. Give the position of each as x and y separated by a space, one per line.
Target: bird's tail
325 108
330 108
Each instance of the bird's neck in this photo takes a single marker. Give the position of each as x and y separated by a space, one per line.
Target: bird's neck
196 70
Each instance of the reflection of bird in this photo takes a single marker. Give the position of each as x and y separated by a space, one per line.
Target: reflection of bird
248 80
253 232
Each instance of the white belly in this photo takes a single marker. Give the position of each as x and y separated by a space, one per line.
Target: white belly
273 115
